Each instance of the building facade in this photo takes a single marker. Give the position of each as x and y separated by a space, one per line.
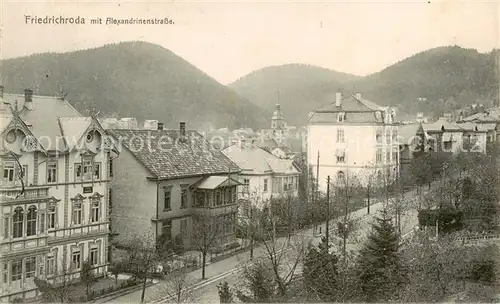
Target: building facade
263 175
54 193
352 136
164 180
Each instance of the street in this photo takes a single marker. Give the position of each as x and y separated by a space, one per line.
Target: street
226 270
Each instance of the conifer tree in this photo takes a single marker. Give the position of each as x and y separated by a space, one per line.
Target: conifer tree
321 273
380 272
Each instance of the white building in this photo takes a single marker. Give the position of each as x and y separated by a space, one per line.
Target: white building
263 175
352 135
54 192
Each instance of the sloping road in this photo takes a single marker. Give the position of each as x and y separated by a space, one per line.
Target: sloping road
227 269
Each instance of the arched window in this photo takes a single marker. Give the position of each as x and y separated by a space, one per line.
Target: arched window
379 176
17 223
340 175
31 225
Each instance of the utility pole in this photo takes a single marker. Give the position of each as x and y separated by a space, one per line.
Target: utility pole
327 233
316 190
251 233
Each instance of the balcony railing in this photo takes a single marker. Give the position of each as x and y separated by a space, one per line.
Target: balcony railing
31 192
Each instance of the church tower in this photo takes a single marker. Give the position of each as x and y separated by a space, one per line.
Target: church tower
277 121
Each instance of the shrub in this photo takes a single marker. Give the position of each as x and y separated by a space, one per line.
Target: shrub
17 300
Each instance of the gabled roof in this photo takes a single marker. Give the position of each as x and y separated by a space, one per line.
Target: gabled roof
255 160
167 156
472 127
356 109
406 133
282 166
442 125
42 120
73 128
214 182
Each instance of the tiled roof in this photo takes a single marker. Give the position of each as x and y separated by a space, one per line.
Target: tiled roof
42 120
282 166
357 109
166 156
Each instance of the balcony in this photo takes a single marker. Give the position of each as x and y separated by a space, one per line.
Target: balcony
14 193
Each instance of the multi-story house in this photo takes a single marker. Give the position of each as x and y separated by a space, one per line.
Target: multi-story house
263 174
163 178
352 135
442 136
53 195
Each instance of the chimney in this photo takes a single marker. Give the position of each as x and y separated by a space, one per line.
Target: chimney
183 128
338 99
28 99
28 95
358 96
160 126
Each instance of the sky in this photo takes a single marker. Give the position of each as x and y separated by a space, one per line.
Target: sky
229 39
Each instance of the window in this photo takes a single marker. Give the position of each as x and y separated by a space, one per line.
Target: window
388 157
51 264
378 136
30 265
265 184
340 117
95 209
184 227
77 213
296 183
340 156
395 156
17 223
5 273
218 198
93 256
388 137
447 145
17 270
25 174
166 200
52 172
84 171
8 171
394 136
97 171
110 167
184 198
51 221
166 229
379 156
31 221
246 186
340 175
340 135
76 259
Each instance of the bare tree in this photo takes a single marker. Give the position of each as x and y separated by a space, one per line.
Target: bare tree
59 288
87 277
205 233
282 255
177 287
143 259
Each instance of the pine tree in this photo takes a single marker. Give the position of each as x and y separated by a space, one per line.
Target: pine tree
320 272
379 268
